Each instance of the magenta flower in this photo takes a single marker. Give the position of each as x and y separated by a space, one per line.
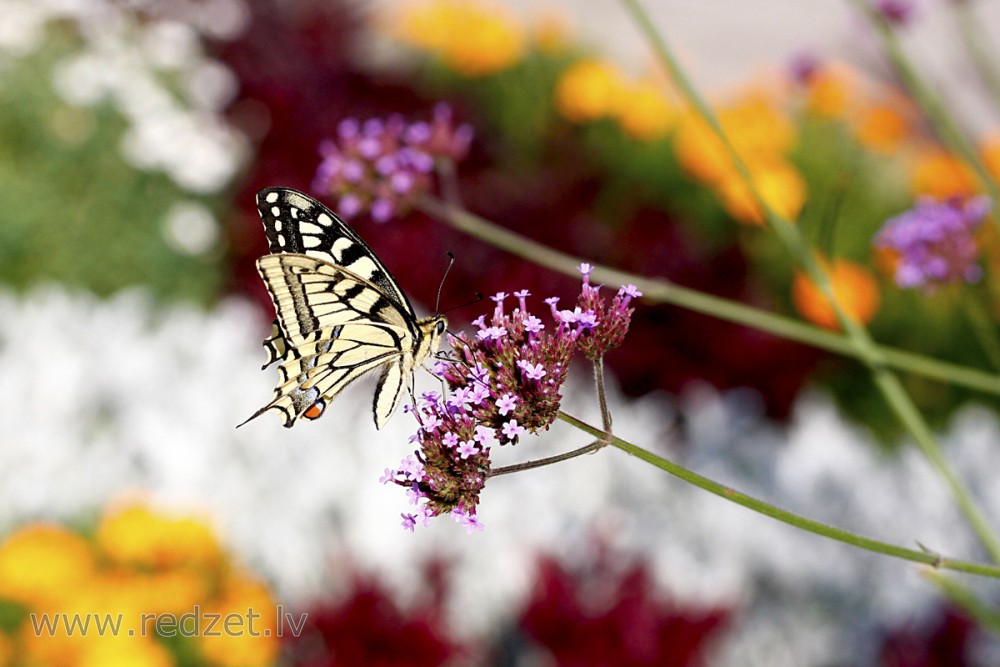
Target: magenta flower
935 242
504 382
382 166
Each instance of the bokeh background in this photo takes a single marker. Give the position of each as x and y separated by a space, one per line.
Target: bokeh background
133 136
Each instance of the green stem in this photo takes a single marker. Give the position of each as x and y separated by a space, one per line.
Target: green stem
601 396
662 291
983 326
548 460
792 519
963 598
886 381
935 110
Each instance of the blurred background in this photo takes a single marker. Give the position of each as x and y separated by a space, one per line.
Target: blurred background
133 137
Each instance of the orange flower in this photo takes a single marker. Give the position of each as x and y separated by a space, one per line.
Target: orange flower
136 535
251 638
6 651
589 90
854 288
941 175
829 91
779 184
647 114
473 38
757 129
882 128
990 151
40 564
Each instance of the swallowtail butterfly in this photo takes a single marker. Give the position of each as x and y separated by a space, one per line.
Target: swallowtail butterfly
340 313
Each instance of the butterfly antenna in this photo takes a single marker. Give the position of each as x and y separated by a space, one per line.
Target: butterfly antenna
451 262
479 297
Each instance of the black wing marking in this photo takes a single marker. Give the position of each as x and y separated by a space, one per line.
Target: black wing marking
296 223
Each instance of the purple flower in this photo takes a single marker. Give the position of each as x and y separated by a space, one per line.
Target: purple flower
467 449
935 242
388 475
382 166
531 371
532 324
450 440
896 12
482 435
409 521
512 430
506 404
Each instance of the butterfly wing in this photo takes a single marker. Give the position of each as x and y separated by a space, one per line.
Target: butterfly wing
336 326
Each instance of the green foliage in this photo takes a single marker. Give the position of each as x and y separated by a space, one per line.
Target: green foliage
74 210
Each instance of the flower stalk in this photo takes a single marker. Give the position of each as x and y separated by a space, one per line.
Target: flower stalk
933 560
886 381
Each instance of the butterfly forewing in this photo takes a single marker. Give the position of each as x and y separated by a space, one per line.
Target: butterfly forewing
339 312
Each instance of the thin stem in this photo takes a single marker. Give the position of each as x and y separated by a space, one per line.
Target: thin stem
886 381
936 111
658 290
983 326
601 396
548 460
963 598
792 519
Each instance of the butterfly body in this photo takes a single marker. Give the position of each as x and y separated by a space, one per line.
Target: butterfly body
340 313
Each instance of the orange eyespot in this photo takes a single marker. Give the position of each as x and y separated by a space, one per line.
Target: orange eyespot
315 410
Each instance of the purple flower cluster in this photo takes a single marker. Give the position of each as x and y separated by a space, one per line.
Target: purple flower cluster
935 242
504 382
896 12
382 166
611 321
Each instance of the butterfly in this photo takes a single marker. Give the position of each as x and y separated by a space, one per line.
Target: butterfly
340 313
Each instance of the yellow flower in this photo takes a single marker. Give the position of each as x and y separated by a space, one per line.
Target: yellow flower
779 184
40 564
758 130
6 651
854 288
551 33
882 127
646 113
941 175
472 37
125 651
136 535
589 90
250 639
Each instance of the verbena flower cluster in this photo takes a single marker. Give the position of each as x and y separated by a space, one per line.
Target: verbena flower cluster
935 242
381 166
504 381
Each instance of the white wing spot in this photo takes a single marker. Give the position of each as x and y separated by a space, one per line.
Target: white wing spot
309 228
310 241
295 212
281 240
339 246
277 225
363 267
324 219
276 211
272 197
